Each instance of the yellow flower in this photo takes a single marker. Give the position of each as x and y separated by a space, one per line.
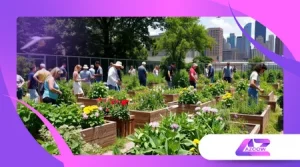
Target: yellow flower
87 110
192 149
180 92
196 141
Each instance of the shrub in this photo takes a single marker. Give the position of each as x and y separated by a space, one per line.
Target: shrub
98 90
149 101
271 77
180 80
67 96
188 96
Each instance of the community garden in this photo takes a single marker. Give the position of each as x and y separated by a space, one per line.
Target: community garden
155 120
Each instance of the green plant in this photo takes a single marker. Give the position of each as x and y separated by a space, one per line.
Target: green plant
227 100
266 87
171 91
152 79
205 95
180 80
119 95
133 83
149 101
279 75
217 89
241 86
243 107
92 116
271 78
98 90
280 99
67 96
140 88
73 138
188 96
86 88
23 66
203 80
116 108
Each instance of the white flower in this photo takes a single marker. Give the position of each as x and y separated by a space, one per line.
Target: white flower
190 120
100 108
173 106
82 106
198 113
197 109
214 110
198 103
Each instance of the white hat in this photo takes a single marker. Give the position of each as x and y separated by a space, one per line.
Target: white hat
118 64
42 65
143 63
85 67
209 64
195 64
92 66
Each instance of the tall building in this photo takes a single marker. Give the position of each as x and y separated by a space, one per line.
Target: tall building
260 30
248 29
278 46
231 40
271 42
239 43
216 53
255 51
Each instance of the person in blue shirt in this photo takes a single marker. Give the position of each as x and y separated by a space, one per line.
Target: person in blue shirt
86 75
98 72
228 73
51 88
64 75
142 73
211 73
33 85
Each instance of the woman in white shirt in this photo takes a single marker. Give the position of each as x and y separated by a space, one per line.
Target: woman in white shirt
77 89
113 77
255 83
155 71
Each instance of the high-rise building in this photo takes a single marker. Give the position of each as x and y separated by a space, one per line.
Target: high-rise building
255 51
278 46
260 30
271 42
239 43
216 53
231 40
248 29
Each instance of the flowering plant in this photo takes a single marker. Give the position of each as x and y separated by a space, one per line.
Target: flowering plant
116 108
241 86
98 90
91 117
149 101
188 96
217 89
227 100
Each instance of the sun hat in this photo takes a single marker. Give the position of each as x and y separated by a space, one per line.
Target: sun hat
92 66
195 64
118 64
143 63
85 67
209 64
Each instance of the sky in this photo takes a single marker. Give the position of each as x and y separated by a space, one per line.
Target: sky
226 23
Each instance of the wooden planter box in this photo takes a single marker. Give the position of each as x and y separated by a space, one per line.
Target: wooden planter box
132 93
261 119
192 106
88 102
276 86
124 128
170 97
208 103
152 85
251 128
268 97
103 135
186 108
144 117
272 104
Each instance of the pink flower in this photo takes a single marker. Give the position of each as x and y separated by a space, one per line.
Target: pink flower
206 109
97 114
197 109
154 124
85 116
175 126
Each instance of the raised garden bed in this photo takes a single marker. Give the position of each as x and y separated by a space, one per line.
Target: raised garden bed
88 102
103 135
170 97
152 85
144 117
261 119
190 108
276 86
268 97
272 104
251 128
124 128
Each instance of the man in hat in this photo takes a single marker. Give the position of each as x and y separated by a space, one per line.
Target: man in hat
40 76
142 73
86 75
113 80
120 77
98 72
193 75
211 73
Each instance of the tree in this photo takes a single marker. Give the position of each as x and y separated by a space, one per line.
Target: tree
182 34
202 61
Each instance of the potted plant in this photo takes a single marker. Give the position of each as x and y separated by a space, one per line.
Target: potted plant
98 90
117 110
148 107
188 100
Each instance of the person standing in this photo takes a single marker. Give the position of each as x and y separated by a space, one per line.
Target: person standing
227 73
206 71
156 70
52 91
113 78
193 75
40 77
33 85
120 77
132 71
86 75
255 83
170 74
211 73
142 73
92 71
77 88
20 83
98 72
64 75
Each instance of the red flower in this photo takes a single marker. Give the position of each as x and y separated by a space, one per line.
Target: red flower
107 110
124 102
99 99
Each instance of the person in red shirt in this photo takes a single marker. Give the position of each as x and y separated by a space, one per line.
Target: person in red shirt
193 75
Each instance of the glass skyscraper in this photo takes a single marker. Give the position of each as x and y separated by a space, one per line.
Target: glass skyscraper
231 40
247 28
260 30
